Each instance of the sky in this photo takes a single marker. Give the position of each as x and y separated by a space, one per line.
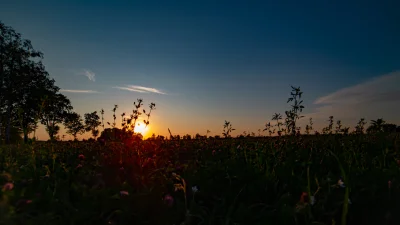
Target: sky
204 62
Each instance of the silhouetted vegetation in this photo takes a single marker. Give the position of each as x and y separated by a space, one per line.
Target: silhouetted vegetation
338 176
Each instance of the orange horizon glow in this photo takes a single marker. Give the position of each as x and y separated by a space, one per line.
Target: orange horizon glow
142 129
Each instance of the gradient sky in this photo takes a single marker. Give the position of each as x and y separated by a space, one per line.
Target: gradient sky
212 61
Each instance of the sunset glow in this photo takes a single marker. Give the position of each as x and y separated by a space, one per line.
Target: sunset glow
141 128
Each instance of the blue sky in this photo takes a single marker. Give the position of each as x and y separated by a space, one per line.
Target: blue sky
219 60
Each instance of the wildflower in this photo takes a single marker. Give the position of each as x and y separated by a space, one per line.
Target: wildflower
23 202
341 183
81 156
168 200
195 189
78 166
124 193
304 197
8 186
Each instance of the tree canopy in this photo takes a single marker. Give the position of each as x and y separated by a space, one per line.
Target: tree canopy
27 93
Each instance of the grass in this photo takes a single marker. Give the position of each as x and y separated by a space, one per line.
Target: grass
353 179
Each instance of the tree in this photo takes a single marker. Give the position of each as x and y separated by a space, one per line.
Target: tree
15 134
120 135
376 126
54 110
74 124
389 128
23 82
92 122
29 104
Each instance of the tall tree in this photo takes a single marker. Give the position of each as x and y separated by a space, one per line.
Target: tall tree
23 82
31 97
74 124
16 57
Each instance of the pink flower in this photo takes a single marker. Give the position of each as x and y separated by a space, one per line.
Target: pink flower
124 193
8 186
81 156
304 197
168 200
78 166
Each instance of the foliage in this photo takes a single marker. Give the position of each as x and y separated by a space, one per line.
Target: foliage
23 82
293 115
335 178
92 122
227 129
74 124
290 180
54 111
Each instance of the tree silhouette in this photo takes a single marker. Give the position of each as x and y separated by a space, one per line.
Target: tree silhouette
23 82
92 122
376 125
74 124
55 108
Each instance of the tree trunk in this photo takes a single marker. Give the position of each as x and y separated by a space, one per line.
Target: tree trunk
25 136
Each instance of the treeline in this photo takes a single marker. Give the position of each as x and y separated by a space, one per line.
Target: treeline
29 97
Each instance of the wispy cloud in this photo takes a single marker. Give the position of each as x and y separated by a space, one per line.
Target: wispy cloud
140 89
375 98
78 91
89 74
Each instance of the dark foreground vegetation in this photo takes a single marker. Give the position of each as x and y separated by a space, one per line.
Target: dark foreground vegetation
326 179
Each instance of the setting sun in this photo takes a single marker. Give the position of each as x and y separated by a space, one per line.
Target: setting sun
140 128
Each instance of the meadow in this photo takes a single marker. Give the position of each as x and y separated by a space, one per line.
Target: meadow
336 177
306 179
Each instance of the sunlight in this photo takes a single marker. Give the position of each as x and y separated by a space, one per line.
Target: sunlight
140 128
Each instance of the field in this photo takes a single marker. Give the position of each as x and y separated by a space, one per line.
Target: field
317 179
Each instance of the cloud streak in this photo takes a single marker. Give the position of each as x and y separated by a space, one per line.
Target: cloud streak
78 91
141 89
375 98
89 74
